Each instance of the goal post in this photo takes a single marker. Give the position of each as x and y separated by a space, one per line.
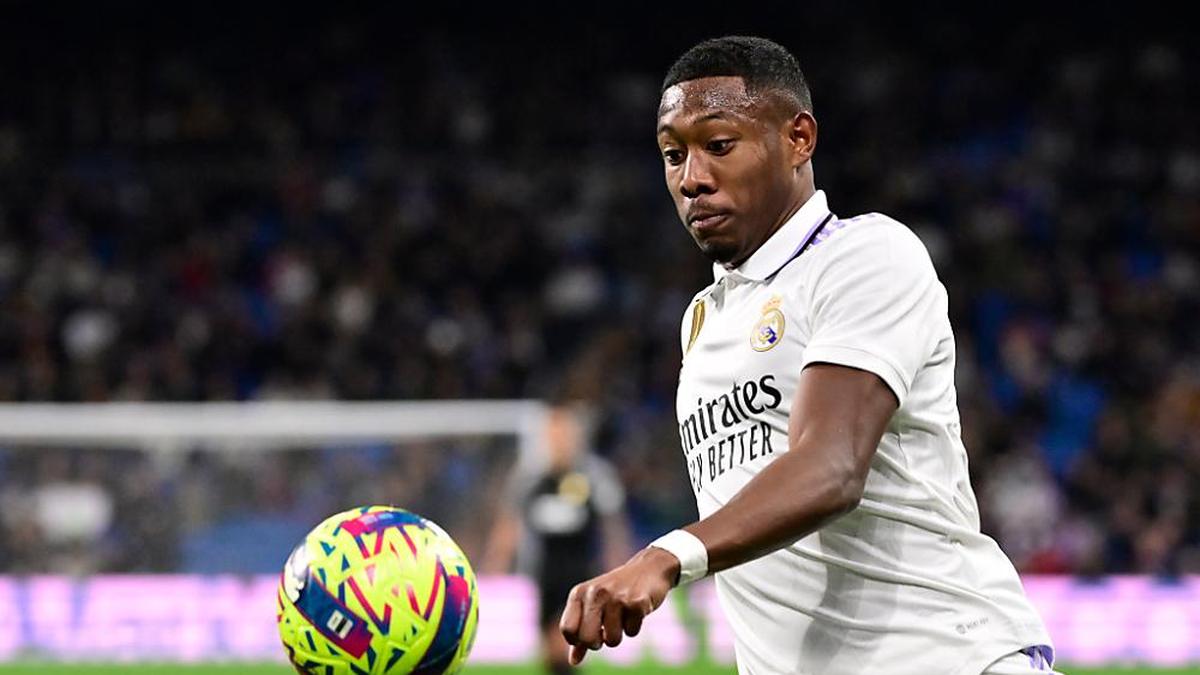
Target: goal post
250 477
176 427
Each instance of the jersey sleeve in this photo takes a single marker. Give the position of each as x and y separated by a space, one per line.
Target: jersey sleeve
608 494
876 304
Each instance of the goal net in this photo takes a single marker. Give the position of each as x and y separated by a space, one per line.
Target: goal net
156 531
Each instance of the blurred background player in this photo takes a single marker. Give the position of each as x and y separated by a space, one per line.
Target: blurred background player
561 518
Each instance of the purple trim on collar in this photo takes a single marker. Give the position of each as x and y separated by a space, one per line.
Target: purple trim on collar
804 243
773 251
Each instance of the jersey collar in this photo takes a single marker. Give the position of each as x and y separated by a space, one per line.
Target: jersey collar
782 246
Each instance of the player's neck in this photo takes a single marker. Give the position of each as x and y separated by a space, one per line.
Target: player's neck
797 202
804 193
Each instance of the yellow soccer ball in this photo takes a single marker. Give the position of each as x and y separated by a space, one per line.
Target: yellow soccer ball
377 591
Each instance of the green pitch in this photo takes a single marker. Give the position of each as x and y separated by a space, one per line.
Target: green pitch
244 669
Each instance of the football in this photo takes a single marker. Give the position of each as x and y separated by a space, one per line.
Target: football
377 590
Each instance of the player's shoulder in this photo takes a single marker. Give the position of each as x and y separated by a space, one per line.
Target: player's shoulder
865 231
868 239
603 476
690 309
595 465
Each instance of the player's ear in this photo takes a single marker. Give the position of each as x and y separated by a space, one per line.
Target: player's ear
802 133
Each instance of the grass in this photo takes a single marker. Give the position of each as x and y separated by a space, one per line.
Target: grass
272 669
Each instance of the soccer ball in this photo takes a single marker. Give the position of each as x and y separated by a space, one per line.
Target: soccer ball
377 591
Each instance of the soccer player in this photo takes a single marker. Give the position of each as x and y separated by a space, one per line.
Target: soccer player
817 414
564 515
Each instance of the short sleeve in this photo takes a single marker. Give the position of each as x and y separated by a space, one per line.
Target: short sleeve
876 304
608 495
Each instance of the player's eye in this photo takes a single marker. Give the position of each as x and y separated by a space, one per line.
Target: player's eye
673 156
719 146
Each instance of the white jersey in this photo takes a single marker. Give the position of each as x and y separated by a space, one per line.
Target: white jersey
905 583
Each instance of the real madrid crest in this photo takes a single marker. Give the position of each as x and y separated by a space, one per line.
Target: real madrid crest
768 331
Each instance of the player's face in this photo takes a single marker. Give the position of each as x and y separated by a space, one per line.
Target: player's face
564 438
727 165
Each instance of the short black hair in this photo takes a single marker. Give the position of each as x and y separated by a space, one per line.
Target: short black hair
761 63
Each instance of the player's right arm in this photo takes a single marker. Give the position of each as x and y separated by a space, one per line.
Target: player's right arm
837 419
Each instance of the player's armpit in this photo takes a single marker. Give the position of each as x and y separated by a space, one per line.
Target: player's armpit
837 419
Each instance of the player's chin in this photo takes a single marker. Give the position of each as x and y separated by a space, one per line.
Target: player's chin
718 250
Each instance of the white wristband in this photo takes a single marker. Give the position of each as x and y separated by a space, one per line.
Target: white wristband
693 556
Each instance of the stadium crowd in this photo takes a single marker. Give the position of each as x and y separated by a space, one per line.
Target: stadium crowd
339 215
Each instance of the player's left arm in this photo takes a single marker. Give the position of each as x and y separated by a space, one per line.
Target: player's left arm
837 419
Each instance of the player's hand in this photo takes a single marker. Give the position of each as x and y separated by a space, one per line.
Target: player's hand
605 609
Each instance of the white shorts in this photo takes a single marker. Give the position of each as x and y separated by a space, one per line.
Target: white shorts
1031 661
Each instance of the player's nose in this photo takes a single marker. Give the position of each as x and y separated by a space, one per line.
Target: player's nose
697 178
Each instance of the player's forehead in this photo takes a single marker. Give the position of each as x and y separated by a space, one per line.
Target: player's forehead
692 100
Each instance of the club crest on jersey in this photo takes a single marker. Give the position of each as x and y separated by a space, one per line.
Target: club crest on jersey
768 331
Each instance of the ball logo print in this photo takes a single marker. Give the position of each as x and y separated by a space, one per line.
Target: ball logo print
377 591
339 624
295 573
